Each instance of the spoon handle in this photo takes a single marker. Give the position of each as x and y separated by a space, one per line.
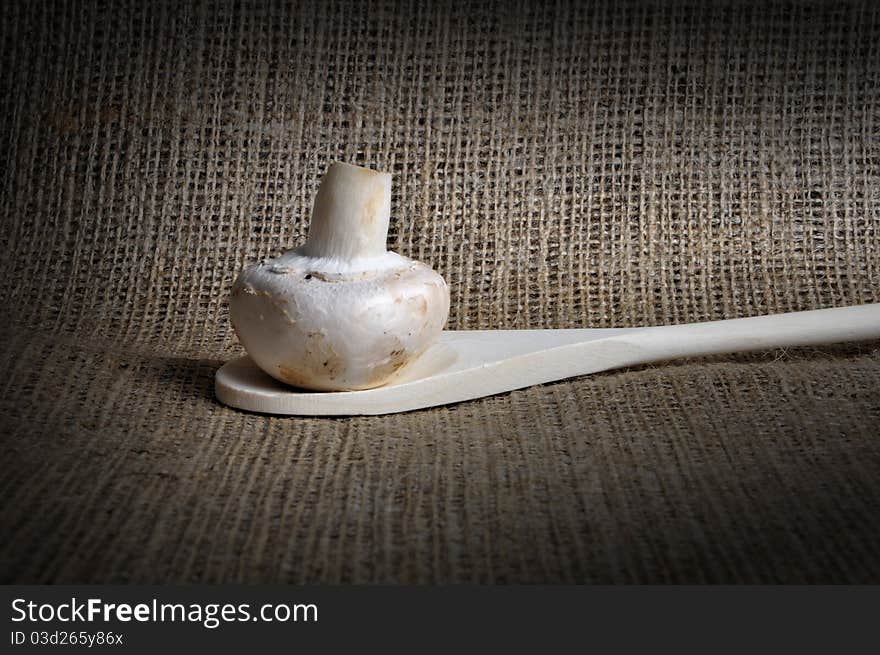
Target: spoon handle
806 328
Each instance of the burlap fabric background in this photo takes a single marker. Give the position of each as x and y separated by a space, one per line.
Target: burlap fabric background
567 165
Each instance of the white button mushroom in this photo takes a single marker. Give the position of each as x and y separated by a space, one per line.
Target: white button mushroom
340 312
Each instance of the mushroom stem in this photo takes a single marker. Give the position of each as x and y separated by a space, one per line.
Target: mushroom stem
351 213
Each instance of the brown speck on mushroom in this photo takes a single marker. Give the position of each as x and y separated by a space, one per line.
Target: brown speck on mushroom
373 207
293 376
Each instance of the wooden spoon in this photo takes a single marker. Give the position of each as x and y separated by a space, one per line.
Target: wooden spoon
465 365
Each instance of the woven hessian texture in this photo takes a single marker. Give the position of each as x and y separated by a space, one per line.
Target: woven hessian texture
562 165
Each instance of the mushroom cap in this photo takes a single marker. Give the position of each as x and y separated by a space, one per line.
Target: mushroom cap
340 330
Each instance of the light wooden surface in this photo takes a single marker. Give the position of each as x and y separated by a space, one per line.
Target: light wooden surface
465 365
